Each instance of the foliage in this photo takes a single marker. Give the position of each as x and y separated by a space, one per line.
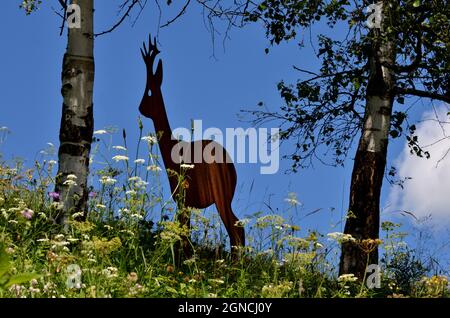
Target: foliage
324 110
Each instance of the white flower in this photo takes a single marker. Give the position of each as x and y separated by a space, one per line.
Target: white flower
124 210
101 206
120 148
100 132
130 192
43 240
242 222
347 278
150 139
107 180
70 183
139 161
141 184
136 178
186 166
292 199
72 177
120 158
153 168
52 162
341 237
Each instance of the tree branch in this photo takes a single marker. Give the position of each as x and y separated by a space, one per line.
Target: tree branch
183 11
414 65
130 7
420 93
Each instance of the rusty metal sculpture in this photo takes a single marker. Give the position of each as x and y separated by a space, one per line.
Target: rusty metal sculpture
206 183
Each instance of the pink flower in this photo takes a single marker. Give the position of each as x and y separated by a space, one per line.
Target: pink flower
27 213
54 195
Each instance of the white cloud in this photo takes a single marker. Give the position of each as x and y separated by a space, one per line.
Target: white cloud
428 192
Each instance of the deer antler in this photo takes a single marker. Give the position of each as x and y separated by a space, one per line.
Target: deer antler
150 54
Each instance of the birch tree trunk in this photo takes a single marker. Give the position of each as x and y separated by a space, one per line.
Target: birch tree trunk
77 120
363 220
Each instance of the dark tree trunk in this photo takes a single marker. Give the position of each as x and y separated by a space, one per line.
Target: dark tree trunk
363 220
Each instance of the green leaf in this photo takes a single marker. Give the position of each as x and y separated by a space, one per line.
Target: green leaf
416 3
21 278
4 261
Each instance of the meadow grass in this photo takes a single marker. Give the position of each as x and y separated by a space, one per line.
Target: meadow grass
125 244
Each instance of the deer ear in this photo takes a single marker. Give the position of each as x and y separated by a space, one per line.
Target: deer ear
159 73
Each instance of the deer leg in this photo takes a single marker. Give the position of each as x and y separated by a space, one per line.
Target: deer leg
236 233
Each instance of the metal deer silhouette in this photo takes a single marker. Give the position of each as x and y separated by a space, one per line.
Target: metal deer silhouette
207 182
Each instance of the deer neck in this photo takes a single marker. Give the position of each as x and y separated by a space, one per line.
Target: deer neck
164 134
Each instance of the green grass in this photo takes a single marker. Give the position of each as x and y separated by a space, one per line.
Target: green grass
125 247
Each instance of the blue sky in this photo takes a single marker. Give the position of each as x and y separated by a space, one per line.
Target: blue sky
196 86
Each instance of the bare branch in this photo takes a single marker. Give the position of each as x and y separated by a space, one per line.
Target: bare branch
183 11
126 14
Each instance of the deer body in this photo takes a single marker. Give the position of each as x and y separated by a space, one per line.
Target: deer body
209 181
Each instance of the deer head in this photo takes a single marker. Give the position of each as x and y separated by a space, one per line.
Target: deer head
152 99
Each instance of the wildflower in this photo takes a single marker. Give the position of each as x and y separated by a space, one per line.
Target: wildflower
341 237
70 183
154 168
27 213
186 166
52 162
216 281
130 192
72 177
139 161
242 222
120 158
292 199
43 240
59 236
100 132
107 180
119 148
141 184
132 277
369 245
57 205
347 278
189 261
78 214
169 269
110 272
150 139
136 178
54 195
